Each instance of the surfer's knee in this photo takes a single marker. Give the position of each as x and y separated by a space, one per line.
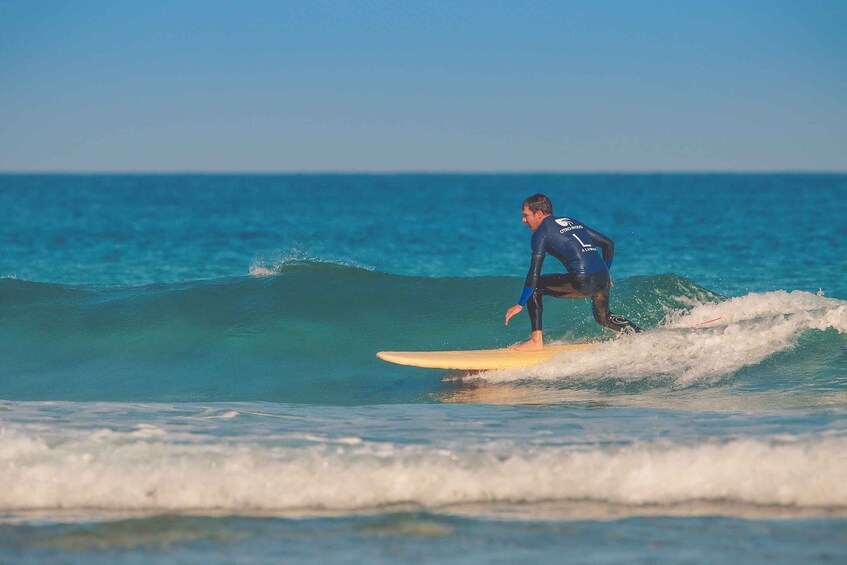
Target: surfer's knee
537 294
535 304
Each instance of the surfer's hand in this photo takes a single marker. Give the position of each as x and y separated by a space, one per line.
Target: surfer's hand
512 311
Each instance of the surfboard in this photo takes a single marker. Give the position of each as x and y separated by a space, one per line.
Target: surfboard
479 359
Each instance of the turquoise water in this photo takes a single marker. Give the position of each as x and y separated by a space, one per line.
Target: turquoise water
187 371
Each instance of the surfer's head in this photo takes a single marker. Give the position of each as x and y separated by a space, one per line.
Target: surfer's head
535 209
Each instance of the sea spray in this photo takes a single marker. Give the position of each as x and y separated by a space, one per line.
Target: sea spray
701 344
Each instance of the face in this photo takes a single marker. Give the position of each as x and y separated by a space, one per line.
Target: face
532 219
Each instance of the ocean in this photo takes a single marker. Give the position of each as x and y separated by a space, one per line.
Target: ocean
188 371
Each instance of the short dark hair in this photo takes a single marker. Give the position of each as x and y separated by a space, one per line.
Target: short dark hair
538 202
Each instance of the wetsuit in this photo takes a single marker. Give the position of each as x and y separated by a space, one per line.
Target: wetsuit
575 245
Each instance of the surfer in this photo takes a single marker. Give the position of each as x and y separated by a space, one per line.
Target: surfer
575 245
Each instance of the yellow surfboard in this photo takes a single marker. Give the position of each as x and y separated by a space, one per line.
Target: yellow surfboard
479 359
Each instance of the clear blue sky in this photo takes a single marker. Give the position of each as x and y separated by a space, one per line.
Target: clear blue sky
423 86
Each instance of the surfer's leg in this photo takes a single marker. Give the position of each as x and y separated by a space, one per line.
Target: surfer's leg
560 286
534 308
615 322
554 285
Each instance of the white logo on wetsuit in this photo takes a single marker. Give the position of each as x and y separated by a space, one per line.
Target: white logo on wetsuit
567 225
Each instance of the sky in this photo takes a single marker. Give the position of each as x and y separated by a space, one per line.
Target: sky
463 86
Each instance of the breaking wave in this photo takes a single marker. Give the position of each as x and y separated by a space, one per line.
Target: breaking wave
308 332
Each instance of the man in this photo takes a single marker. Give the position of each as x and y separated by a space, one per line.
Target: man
575 245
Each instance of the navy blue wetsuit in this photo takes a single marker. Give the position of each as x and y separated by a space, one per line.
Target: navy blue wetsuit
575 245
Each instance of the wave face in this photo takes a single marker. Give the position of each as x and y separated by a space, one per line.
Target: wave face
307 332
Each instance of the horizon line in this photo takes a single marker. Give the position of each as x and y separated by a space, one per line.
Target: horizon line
375 172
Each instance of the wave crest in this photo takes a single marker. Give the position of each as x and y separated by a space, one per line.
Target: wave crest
278 263
703 344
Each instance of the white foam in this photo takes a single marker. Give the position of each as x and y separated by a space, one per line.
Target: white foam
214 414
259 270
264 267
74 470
704 344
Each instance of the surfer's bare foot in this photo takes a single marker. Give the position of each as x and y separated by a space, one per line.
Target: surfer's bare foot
528 346
534 343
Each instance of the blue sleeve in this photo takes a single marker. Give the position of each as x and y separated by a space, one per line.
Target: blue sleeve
538 253
604 243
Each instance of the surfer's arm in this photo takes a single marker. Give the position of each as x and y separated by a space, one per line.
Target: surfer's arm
531 277
538 252
529 286
604 243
